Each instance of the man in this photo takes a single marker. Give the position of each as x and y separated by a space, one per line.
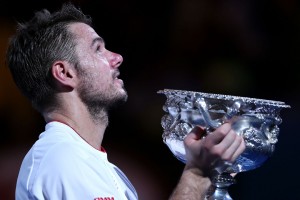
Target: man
62 66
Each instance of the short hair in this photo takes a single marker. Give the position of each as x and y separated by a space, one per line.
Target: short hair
37 44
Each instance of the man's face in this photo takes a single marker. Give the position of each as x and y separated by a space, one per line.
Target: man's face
99 87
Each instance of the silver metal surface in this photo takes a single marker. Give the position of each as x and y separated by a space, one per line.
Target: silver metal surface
255 119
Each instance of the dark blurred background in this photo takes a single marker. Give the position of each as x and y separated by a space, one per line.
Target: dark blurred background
237 47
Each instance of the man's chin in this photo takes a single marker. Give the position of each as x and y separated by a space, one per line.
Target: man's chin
124 97
120 98
124 94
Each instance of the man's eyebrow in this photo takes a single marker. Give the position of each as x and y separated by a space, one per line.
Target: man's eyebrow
97 39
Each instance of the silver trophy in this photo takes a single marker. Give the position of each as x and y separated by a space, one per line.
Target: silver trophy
256 120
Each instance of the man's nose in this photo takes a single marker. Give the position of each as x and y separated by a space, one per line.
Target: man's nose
116 60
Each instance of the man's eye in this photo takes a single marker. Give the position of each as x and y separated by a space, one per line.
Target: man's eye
98 49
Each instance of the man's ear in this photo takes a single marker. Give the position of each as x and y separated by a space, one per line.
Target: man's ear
64 75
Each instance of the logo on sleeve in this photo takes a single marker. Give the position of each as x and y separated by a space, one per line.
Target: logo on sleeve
104 198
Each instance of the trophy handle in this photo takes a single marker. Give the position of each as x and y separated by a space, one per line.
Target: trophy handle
213 124
202 106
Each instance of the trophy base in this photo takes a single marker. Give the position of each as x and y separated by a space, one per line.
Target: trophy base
219 187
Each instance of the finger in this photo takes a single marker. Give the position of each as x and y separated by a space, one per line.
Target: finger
240 150
219 134
228 140
233 150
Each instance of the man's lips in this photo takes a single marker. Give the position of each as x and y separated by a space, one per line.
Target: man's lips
116 75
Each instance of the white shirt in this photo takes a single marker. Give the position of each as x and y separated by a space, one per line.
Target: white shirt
62 166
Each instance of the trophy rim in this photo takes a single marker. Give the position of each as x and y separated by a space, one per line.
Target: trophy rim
177 92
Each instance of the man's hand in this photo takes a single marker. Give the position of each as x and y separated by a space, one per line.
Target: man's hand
202 153
221 145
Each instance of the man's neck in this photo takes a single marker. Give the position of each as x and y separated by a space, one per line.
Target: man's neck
82 123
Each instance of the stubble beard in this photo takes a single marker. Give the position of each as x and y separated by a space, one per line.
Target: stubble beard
99 102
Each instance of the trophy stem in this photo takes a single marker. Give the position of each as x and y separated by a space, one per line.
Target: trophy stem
219 188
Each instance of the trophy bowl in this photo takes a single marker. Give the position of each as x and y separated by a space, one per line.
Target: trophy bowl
255 119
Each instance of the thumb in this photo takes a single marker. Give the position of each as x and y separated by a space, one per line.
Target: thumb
196 133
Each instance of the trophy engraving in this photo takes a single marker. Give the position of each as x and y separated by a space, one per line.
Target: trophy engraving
257 120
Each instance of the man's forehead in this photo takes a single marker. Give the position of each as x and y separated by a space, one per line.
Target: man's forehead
83 30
